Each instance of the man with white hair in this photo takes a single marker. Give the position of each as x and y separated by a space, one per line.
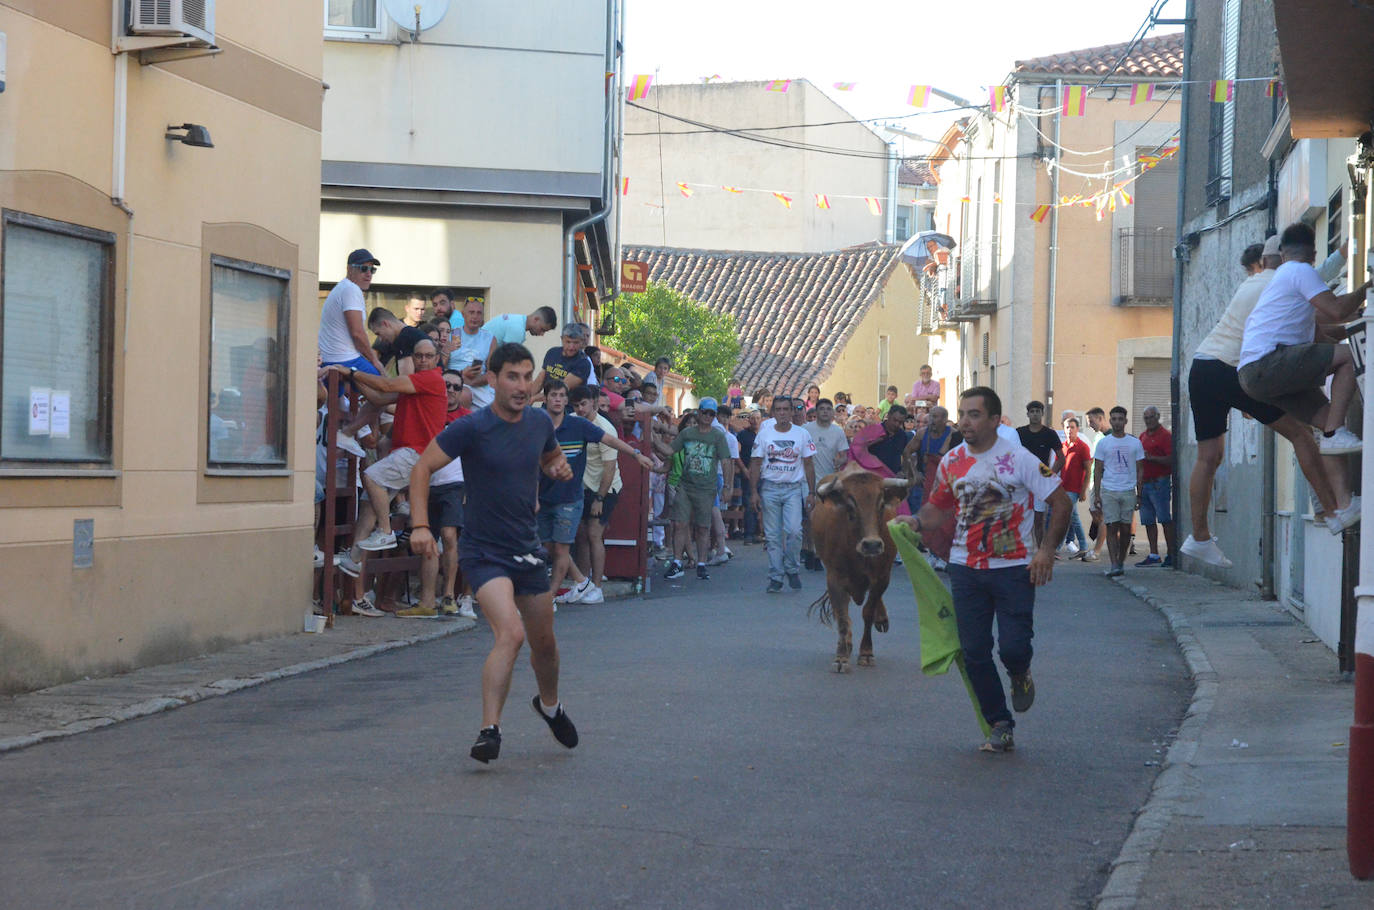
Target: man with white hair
1157 492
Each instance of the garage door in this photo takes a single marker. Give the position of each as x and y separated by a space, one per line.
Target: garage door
1151 388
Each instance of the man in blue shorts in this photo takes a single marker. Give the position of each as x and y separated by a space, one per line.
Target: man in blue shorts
505 447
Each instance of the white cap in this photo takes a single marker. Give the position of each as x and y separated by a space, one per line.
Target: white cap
1271 246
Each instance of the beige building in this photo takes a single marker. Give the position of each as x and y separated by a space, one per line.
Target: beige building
476 155
672 138
1085 320
158 303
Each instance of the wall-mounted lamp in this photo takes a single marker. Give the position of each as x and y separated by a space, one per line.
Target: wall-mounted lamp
195 135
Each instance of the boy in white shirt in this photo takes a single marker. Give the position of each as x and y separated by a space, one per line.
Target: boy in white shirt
1119 473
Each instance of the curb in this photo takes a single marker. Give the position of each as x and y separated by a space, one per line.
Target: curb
190 696
1176 783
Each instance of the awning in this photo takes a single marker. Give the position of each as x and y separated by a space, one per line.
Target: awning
1327 47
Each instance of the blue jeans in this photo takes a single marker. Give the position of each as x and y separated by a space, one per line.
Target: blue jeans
782 526
980 596
1075 532
1155 499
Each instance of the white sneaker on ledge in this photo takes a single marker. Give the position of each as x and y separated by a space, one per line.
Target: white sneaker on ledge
378 540
349 445
1345 518
1342 442
1205 551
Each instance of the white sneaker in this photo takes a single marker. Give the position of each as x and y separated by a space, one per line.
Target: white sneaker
1342 519
465 609
593 595
350 445
1205 551
378 540
319 558
402 508
363 608
719 559
348 565
1343 442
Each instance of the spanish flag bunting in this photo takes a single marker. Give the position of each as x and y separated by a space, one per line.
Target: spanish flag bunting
624 186
714 77
845 86
1273 87
1075 100
1223 90
685 190
1041 213
1126 198
779 85
785 199
964 199
639 87
822 201
996 199
997 98
1142 92
1070 200
874 206
1169 152
918 96
732 189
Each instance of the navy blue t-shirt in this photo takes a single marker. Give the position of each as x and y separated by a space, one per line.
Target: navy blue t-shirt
501 472
573 435
556 366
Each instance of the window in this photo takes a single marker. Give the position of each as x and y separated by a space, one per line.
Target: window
985 349
1221 127
56 314
249 313
884 349
352 17
1335 223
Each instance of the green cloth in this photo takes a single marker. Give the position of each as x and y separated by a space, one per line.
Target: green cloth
935 608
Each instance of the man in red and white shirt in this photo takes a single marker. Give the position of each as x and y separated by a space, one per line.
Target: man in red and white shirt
989 485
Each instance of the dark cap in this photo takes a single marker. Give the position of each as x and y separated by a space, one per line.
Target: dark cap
362 257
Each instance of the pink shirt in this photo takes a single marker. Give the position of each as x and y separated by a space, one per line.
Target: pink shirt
926 390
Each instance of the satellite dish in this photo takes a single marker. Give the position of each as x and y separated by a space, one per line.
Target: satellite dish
409 14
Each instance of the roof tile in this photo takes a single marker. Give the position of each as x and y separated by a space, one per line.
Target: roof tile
1159 56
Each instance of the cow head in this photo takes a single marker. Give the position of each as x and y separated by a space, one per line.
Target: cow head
865 498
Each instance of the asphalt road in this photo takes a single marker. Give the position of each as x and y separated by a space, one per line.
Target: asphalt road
722 764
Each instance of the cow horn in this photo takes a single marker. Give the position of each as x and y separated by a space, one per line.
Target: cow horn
825 488
895 482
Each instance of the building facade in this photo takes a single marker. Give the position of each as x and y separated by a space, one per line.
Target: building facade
692 185
477 155
158 246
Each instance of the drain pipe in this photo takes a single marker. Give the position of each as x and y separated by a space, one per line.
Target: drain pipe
1054 251
571 286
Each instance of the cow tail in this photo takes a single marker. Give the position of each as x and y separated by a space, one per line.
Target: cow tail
822 604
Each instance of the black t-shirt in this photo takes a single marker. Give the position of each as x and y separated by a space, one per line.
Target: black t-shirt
501 471
556 366
746 444
1042 443
404 345
889 450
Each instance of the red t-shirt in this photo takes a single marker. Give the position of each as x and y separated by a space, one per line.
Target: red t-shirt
1160 442
1075 470
420 416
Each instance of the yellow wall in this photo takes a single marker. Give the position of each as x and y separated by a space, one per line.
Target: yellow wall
894 314
184 561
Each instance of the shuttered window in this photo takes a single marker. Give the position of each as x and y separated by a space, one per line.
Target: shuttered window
56 313
248 387
1151 387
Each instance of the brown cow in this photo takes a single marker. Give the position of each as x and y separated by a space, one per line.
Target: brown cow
850 528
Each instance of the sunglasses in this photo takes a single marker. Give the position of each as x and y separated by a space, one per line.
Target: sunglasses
620 379
453 386
369 269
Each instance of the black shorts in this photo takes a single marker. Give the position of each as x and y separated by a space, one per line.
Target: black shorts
480 566
446 506
1213 390
607 506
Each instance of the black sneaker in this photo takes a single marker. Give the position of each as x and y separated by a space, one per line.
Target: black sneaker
488 745
794 581
1022 692
674 570
703 574
775 587
560 724
999 740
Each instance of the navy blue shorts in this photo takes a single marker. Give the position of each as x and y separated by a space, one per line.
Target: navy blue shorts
529 573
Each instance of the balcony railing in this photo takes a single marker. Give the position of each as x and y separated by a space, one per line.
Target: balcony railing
1146 261
978 280
937 301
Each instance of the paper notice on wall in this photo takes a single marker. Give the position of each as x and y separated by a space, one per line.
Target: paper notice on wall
60 414
39 418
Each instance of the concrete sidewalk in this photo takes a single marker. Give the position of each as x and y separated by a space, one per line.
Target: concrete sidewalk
1249 808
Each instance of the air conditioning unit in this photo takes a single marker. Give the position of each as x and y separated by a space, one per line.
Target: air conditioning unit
173 18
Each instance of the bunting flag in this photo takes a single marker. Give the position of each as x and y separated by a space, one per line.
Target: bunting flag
732 189
996 199
1075 100
845 86
639 87
779 85
1041 213
685 190
874 206
1223 90
715 77
997 98
785 199
964 199
624 186
1273 88
822 201
918 96
1126 198
1142 92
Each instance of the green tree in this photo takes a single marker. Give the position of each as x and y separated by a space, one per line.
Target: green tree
663 322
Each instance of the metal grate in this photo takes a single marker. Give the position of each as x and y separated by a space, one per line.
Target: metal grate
1147 267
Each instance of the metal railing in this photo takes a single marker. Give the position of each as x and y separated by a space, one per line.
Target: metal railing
1146 262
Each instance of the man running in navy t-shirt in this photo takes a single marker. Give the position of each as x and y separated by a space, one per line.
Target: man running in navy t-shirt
504 447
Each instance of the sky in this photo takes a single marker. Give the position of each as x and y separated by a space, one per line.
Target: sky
884 46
